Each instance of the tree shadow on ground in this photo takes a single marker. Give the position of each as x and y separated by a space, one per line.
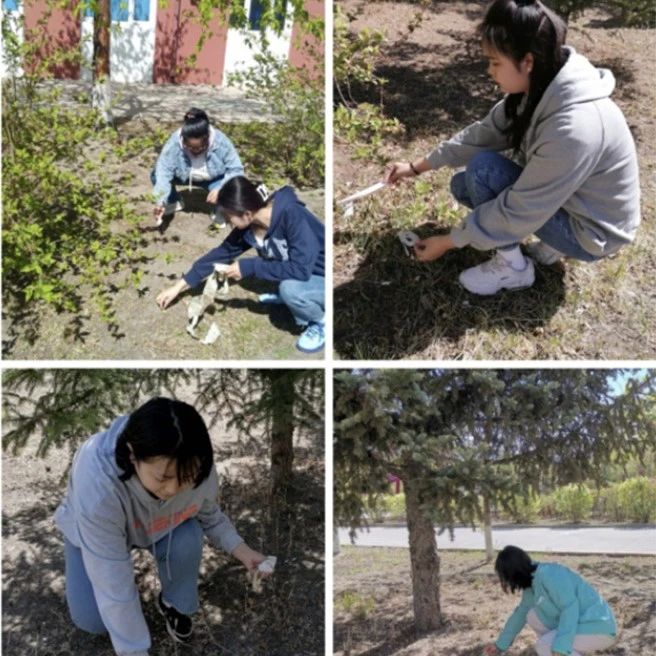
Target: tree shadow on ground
440 98
287 618
394 307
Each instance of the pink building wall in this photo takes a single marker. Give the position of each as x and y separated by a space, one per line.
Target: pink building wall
176 37
59 31
301 43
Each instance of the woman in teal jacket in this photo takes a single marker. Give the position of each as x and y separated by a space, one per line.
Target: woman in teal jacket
568 614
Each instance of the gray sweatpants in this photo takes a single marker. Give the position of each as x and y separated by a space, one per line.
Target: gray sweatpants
583 644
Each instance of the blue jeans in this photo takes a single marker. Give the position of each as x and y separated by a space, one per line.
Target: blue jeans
174 196
181 590
305 299
487 175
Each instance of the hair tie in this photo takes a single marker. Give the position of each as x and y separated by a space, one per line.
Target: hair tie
263 191
524 3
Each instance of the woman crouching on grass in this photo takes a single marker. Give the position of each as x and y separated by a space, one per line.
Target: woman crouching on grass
569 616
289 241
149 482
573 180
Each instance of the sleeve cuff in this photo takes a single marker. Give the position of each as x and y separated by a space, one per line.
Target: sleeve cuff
460 237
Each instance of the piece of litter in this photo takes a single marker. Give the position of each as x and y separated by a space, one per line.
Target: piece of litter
268 565
197 306
349 210
212 334
408 239
361 194
255 576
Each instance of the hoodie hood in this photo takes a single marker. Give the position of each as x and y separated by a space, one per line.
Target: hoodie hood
578 81
283 200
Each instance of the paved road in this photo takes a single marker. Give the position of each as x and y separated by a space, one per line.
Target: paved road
607 540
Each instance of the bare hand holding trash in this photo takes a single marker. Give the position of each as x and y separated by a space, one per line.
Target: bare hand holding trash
258 565
395 171
233 271
433 248
213 197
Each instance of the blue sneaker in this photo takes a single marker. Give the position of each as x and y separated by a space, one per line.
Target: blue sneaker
312 339
270 299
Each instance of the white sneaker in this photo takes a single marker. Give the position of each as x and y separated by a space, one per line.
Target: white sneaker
172 208
543 253
217 218
496 274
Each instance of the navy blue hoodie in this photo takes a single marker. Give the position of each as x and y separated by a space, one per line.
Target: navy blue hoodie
293 246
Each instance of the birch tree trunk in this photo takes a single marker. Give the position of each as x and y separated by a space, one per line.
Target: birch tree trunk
101 96
487 524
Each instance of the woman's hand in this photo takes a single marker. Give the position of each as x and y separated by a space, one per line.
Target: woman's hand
490 650
158 213
233 271
166 297
213 196
249 558
433 248
394 171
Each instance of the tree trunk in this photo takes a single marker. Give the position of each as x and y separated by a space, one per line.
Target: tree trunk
424 560
282 433
101 96
487 523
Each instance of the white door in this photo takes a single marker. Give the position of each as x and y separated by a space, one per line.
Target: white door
132 51
239 55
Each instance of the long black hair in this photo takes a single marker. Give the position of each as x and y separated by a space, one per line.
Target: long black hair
173 429
515 569
239 195
196 124
516 28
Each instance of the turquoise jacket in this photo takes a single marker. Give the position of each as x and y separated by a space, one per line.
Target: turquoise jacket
563 601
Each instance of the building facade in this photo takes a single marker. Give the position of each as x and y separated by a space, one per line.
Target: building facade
151 43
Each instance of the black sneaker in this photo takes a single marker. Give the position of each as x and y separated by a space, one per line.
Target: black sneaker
177 624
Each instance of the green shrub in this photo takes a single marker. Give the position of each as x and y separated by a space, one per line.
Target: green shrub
525 510
573 502
365 127
609 504
60 207
291 146
637 499
395 505
355 604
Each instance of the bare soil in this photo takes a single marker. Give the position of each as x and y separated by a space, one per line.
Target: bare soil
249 330
373 603
285 619
436 85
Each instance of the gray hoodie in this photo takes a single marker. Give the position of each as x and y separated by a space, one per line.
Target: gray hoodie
578 154
105 518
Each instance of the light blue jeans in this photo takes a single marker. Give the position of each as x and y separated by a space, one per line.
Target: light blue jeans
305 299
487 175
174 196
181 591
